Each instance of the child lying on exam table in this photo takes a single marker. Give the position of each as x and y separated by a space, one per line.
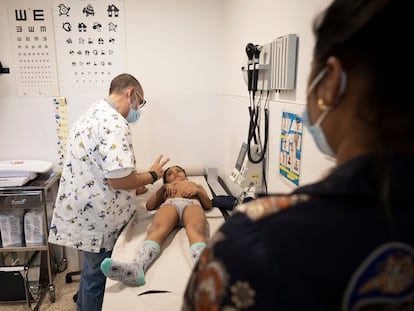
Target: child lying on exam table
181 203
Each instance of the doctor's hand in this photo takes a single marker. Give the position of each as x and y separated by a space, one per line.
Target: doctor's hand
158 165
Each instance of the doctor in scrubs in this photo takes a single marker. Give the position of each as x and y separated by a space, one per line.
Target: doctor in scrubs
98 186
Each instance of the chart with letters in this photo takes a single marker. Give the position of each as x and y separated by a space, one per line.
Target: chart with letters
33 44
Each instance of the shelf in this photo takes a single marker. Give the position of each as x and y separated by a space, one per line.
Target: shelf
23 248
12 268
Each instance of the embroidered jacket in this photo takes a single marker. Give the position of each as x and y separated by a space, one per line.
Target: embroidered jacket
332 245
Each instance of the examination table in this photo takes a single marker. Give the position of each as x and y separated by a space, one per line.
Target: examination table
166 278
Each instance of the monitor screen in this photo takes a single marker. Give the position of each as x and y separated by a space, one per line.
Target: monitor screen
242 155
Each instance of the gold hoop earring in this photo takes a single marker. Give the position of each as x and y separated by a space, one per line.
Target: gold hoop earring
321 104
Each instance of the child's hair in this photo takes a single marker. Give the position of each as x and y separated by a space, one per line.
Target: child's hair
165 172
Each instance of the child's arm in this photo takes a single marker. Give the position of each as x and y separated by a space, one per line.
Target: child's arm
204 198
156 198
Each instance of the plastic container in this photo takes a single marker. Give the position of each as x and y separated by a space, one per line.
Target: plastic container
11 228
33 228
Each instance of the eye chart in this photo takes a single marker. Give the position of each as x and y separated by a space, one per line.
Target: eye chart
31 32
90 40
291 147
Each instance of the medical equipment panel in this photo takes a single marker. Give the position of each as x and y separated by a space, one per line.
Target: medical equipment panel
271 66
269 71
245 172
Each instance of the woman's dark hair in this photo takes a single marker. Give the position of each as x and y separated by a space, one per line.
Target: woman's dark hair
369 37
164 177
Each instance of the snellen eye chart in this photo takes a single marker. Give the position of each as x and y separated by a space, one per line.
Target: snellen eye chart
33 44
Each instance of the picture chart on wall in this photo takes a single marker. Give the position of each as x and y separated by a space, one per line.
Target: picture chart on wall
90 38
290 147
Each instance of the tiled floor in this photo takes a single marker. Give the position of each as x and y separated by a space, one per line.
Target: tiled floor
63 292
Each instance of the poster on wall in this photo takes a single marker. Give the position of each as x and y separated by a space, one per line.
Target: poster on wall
290 147
32 38
90 38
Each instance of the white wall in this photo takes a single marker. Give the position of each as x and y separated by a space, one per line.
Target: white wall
188 56
174 49
261 22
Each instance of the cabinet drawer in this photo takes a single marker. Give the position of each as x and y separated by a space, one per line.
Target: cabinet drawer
23 199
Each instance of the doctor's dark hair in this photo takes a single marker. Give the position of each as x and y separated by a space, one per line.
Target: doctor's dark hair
164 177
122 82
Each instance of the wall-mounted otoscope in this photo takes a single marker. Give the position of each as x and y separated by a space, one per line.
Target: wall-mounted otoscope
250 53
256 58
253 67
253 55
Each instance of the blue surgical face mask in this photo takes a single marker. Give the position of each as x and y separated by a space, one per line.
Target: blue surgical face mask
133 115
316 129
317 132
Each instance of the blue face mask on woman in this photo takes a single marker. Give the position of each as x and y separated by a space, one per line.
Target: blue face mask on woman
316 129
317 132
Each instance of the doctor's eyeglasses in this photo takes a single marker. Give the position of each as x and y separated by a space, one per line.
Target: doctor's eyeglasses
143 102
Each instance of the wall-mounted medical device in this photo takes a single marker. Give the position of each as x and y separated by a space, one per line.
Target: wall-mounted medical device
283 64
269 67
272 64
245 172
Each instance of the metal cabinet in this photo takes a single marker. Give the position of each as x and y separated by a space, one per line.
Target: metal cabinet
28 263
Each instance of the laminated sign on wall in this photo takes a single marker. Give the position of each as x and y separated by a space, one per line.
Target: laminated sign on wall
291 147
90 38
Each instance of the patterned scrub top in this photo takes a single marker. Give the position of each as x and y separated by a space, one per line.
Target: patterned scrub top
89 215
